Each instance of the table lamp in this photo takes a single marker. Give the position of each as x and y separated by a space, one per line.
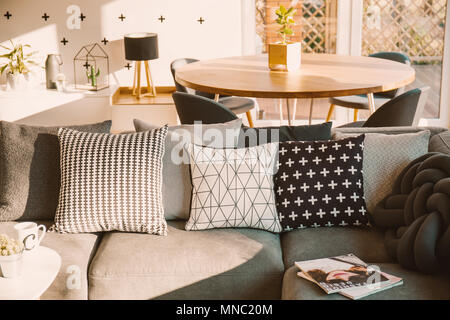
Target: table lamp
140 47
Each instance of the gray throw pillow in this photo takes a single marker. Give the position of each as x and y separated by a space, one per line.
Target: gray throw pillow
440 143
29 169
384 158
177 186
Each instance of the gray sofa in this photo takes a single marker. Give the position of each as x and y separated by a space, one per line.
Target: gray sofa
226 263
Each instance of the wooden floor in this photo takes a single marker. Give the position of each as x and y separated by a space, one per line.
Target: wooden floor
426 75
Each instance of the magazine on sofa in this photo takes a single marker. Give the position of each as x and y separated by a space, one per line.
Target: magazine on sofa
361 292
340 273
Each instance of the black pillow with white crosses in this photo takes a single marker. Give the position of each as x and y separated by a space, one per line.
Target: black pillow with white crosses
320 184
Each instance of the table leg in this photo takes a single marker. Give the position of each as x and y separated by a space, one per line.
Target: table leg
288 108
294 112
216 97
311 111
280 110
371 102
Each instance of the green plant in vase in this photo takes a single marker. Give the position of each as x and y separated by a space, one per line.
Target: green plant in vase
17 65
92 76
285 18
285 55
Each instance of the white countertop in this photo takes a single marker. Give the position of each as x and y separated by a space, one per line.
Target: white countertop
42 91
16 105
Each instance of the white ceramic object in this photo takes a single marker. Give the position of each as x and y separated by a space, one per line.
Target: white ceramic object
11 266
17 81
28 234
60 82
39 270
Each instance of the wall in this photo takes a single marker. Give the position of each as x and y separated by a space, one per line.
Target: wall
180 34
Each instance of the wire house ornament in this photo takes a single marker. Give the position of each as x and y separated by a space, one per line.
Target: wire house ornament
91 68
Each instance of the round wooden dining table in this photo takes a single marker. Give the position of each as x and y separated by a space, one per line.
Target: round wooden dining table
319 76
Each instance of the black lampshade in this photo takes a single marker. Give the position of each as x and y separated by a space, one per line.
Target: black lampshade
141 46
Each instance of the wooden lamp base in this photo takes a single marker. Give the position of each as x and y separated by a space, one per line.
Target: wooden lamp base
137 91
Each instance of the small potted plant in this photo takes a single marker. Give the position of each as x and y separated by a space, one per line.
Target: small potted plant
10 257
285 55
17 66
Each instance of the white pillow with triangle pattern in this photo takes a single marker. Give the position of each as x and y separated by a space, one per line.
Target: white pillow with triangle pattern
233 188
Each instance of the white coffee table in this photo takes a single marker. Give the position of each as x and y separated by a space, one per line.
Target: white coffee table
39 270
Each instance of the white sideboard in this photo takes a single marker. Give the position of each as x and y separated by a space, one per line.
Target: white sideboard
42 107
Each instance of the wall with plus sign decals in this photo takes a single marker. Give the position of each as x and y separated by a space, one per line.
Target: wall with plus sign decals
199 29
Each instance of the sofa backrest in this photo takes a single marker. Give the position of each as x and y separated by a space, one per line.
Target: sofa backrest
439 141
390 130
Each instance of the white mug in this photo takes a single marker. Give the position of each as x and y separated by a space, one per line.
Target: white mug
28 234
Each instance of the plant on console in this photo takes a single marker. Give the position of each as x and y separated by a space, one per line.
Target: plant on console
17 64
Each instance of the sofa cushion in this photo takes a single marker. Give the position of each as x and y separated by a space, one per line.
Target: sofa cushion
210 264
216 135
111 182
385 156
320 184
306 244
233 188
177 187
416 286
440 143
29 170
76 251
250 137
388 130
416 214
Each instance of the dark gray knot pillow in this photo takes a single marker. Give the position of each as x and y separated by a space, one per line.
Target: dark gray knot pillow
417 215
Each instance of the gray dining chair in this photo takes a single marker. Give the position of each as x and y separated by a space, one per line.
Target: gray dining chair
191 108
403 110
360 102
237 105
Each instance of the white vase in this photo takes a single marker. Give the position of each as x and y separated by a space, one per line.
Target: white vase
285 56
18 81
11 266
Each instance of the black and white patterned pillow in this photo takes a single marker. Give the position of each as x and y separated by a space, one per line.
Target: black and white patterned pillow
111 182
320 184
233 188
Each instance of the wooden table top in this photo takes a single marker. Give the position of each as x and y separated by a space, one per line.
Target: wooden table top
320 76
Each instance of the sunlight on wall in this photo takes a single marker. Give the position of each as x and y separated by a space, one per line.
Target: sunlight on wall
180 33
48 39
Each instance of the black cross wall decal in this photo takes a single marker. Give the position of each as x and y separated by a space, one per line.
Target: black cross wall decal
8 15
201 20
122 17
161 19
64 41
128 66
105 41
86 65
82 17
45 17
